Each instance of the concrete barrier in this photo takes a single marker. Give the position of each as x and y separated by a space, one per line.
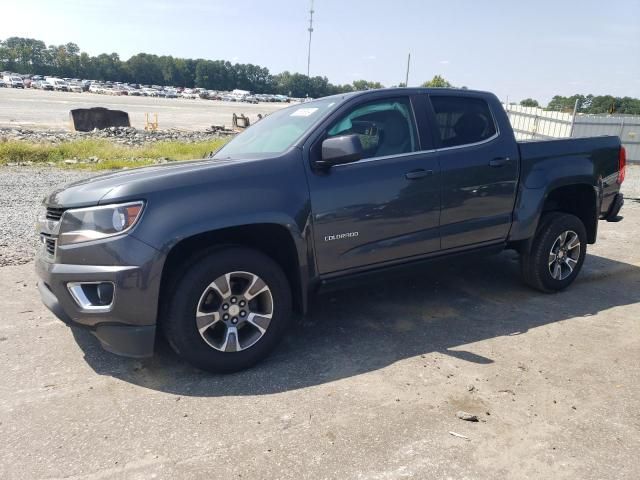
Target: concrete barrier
86 119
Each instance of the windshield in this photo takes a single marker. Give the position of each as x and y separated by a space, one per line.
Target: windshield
279 131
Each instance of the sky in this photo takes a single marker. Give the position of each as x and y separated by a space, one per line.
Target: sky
517 49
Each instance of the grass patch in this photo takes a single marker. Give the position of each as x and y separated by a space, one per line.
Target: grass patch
111 155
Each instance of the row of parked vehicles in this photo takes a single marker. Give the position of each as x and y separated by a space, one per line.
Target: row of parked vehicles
132 89
43 83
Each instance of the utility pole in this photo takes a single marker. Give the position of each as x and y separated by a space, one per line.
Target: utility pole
310 32
406 79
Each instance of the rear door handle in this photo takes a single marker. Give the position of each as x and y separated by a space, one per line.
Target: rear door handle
418 173
499 162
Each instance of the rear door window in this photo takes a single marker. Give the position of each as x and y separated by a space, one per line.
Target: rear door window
462 120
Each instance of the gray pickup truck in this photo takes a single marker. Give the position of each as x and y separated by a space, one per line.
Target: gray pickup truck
219 253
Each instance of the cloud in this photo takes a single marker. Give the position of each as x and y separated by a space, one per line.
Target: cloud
444 62
370 57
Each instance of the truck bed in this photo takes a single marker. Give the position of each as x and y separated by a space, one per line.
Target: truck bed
591 159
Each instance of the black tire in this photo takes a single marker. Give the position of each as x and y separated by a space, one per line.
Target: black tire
178 319
535 263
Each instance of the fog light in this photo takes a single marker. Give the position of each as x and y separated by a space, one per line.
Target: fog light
95 296
105 293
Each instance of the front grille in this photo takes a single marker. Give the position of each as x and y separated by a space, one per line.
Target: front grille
54 213
49 244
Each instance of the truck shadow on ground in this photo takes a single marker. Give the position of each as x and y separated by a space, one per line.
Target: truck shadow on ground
444 308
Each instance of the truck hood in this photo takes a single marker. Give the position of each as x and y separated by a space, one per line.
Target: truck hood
136 181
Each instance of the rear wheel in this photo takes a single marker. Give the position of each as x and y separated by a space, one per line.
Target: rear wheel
557 253
227 310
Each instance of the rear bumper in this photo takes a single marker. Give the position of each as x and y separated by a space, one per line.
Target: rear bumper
614 209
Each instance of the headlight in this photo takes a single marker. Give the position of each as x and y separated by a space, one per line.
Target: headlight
93 223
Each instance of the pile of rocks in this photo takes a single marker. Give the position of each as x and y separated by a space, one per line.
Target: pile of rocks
121 135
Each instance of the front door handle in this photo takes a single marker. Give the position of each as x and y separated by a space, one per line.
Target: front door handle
418 173
499 162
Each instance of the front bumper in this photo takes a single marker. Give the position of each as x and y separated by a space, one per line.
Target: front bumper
126 340
128 327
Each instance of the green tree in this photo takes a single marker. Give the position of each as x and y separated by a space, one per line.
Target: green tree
437 82
145 68
359 85
567 104
108 67
529 102
630 106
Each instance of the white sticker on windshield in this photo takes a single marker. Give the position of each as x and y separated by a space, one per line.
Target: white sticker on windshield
303 112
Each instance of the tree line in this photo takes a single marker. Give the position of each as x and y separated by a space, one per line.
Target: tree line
31 56
594 104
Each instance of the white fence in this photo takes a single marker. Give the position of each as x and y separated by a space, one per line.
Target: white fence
532 123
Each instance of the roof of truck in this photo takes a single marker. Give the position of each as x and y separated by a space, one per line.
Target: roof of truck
409 91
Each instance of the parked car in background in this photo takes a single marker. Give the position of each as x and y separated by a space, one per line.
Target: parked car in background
58 84
3 84
13 81
41 85
149 92
189 93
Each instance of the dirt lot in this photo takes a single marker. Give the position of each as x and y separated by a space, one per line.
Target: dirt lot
367 387
39 109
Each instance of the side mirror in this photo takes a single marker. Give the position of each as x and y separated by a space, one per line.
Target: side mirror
338 150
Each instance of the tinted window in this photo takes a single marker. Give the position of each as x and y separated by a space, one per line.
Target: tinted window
385 127
462 120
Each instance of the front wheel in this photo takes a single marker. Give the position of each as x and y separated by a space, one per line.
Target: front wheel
227 310
557 253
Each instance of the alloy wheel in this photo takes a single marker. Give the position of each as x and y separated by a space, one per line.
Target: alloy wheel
564 255
234 311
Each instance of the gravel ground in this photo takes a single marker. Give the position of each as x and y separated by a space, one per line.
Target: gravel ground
21 192
118 135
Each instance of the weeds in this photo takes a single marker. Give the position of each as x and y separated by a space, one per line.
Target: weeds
111 155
